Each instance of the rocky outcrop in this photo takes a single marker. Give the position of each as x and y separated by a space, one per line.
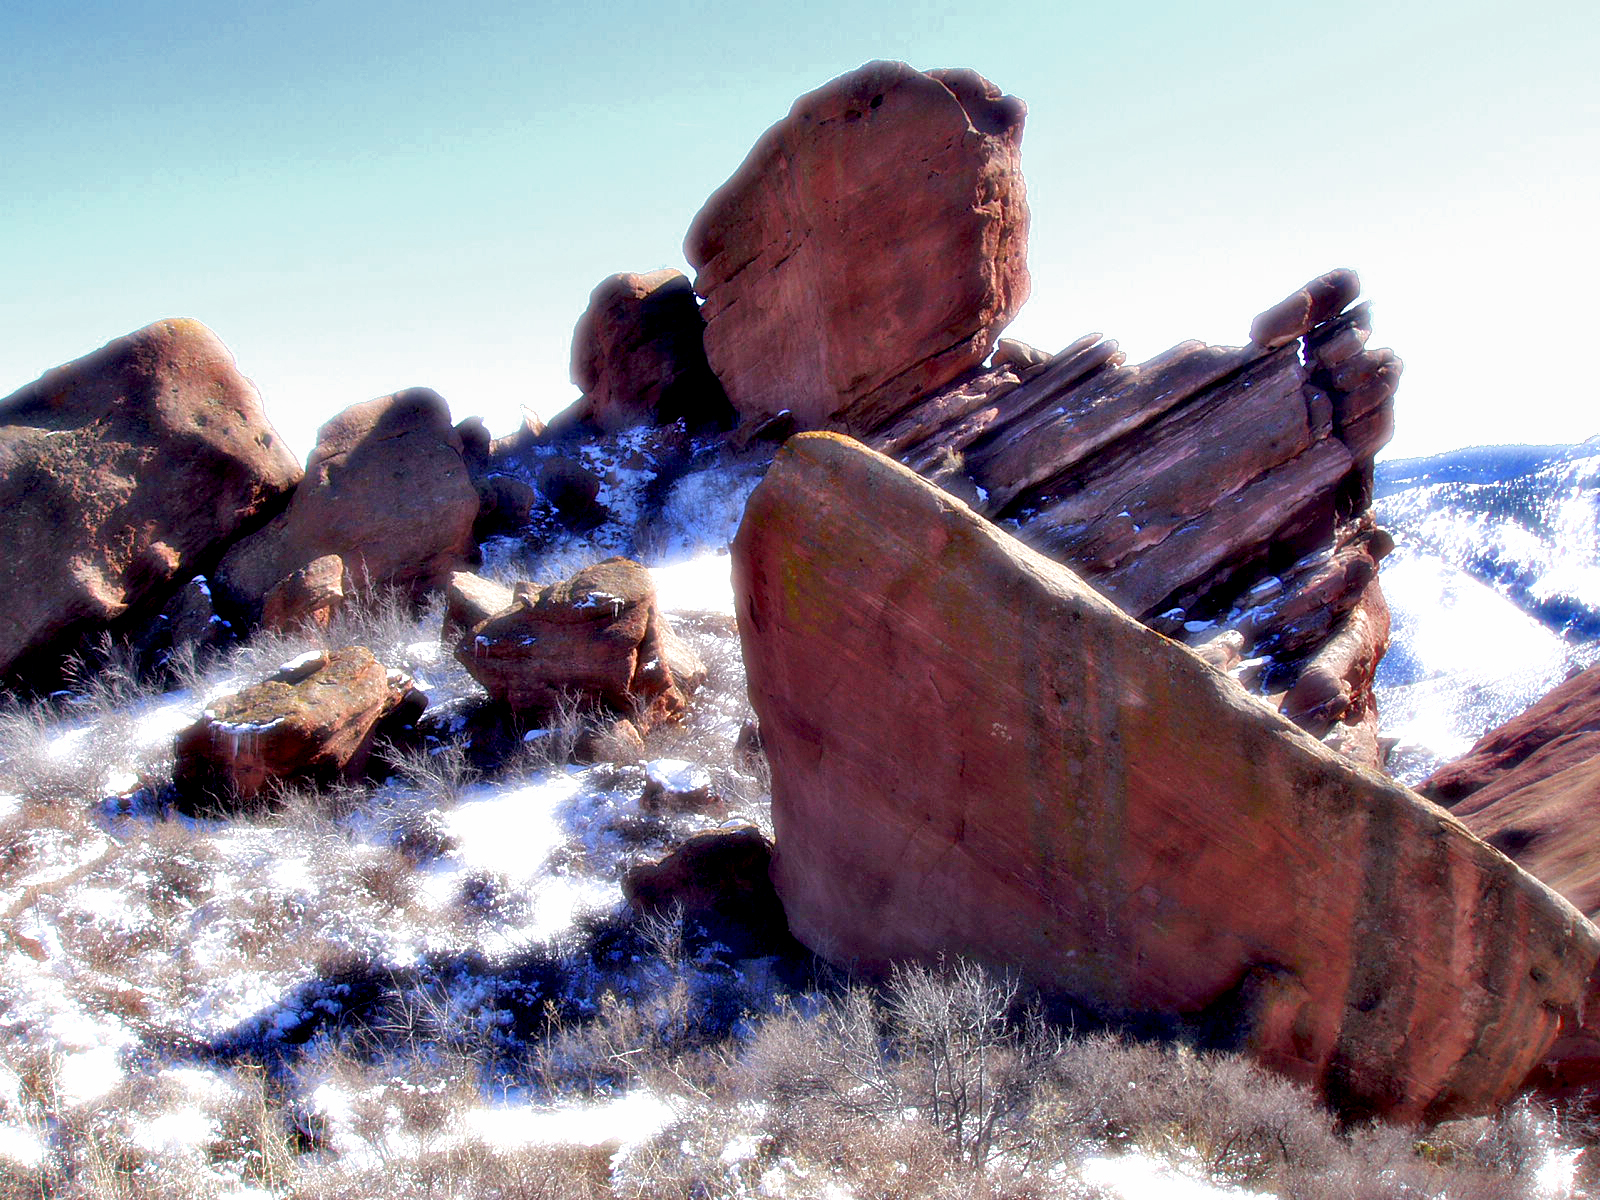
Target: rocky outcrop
1530 788
314 720
122 474
1208 490
1547 729
386 489
869 249
311 596
595 640
973 753
638 355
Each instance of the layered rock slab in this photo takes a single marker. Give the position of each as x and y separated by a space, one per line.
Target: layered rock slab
121 474
870 247
975 754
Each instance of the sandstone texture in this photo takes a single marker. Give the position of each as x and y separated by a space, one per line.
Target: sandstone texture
973 753
313 720
311 596
1531 788
595 639
720 882
122 474
638 354
386 489
1210 490
870 248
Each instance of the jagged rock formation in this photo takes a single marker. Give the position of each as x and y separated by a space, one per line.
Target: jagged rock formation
595 639
638 355
386 489
974 753
870 247
122 474
1210 490
315 719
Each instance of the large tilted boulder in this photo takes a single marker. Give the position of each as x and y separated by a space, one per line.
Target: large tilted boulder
638 354
1210 489
386 489
596 639
870 248
973 753
121 474
314 720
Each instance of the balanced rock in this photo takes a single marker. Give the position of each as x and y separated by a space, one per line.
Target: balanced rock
314 720
595 639
975 754
121 474
386 489
638 354
869 249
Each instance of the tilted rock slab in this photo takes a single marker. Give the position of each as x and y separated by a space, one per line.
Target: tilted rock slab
121 473
314 719
870 248
386 489
975 754
1210 488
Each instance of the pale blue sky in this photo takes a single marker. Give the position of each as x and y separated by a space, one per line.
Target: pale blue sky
360 198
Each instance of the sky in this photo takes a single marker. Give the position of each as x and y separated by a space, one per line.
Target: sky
359 197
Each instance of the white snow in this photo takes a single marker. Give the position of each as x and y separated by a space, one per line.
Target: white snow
615 1123
677 776
1136 1176
703 583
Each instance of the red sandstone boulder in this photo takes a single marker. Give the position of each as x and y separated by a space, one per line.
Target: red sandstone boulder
121 474
719 881
638 354
311 596
975 754
595 639
313 720
869 249
386 489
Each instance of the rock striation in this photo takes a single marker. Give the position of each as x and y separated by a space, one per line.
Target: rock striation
973 753
638 355
1211 490
869 249
1530 788
122 474
386 490
314 720
596 640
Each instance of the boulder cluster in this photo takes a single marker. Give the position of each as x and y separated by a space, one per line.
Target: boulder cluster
1062 664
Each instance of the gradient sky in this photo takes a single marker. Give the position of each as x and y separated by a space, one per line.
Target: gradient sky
360 198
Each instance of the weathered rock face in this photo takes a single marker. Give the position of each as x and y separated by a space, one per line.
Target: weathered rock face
869 249
386 489
1207 490
312 596
638 354
1530 788
973 753
123 472
312 720
595 638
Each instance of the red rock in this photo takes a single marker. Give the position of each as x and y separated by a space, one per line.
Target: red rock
869 249
386 489
314 720
638 354
470 600
1324 298
1571 707
974 754
121 473
310 596
595 639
